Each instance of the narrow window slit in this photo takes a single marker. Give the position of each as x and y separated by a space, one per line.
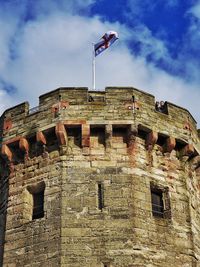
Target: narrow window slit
38 205
100 196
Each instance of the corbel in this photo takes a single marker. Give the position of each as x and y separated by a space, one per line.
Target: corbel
61 133
169 145
40 138
5 151
24 146
151 140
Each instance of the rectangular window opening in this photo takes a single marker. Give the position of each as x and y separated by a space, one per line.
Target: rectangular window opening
52 141
120 134
161 139
97 136
38 205
18 155
143 132
100 196
33 146
179 144
157 202
74 135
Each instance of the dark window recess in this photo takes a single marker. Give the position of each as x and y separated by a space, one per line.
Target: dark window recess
161 139
142 132
179 144
98 132
18 155
38 205
32 146
52 141
157 203
74 135
100 196
120 132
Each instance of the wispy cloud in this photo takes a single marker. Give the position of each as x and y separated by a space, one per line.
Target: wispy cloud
195 10
150 46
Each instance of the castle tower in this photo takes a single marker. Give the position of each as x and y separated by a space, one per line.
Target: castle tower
99 179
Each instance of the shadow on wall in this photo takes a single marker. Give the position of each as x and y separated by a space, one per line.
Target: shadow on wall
4 192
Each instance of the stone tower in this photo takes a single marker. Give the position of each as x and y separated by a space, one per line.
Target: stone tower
99 179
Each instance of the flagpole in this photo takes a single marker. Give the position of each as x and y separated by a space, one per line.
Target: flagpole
93 66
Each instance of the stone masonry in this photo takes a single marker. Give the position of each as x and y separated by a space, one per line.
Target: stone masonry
99 163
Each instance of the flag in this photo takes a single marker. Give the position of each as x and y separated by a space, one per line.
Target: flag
109 38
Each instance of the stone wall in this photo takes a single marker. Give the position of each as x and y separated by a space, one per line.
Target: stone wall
99 157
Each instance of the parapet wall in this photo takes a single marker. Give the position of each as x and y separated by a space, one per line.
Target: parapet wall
114 106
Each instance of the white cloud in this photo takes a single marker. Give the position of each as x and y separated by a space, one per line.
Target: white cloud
8 29
193 34
149 44
195 10
55 50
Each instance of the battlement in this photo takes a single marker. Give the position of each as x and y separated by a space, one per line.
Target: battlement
111 96
115 105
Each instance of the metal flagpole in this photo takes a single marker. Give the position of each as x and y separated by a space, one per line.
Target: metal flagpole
93 65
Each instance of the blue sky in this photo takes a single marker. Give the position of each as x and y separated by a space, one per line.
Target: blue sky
45 44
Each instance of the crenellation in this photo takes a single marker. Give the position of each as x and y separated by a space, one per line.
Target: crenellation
74 95
99 178
122 108
20 110
110 93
